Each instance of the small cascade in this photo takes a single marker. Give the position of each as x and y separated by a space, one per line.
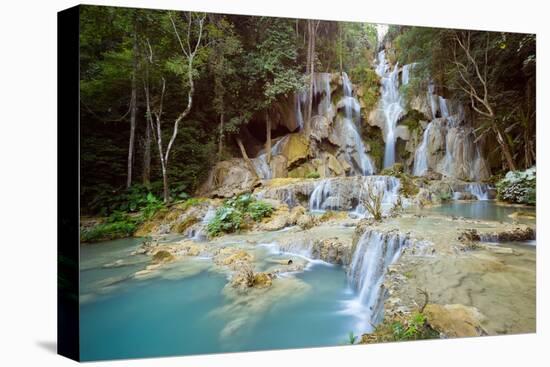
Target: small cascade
355 151
322 191
374 253
421 155
200 233
479 190
391 104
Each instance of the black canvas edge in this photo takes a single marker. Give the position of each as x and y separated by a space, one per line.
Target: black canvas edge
68 183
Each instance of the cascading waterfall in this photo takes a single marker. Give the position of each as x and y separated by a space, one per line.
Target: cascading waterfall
200 233
421 155
260 162
480 191
374 253
350 135
391 104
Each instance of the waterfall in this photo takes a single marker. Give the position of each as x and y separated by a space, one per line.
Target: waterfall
443 107
337 194
348 132
321 86
421 155
432 99
405 76
375 251
299 100
391 104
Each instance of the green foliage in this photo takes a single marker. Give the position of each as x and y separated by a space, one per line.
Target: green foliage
117 225
259 210
352 338
368 81
412 120
235 212
518 187
313 174
415 327
445 196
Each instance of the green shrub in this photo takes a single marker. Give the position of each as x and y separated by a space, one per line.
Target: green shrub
235 212
313 174
518 187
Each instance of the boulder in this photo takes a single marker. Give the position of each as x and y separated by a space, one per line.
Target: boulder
278 166
279 219
295 149
333 250
334 165
455 321
229 178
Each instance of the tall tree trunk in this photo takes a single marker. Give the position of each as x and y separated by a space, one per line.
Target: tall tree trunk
501 139
146 176
268 138
245 157
310 69
133 108
220 140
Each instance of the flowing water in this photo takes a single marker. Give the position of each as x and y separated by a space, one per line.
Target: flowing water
187 308
355 152
391 104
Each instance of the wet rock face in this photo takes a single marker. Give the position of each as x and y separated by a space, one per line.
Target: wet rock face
229 178
455 321
523 233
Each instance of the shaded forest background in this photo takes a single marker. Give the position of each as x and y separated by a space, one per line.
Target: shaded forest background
219 78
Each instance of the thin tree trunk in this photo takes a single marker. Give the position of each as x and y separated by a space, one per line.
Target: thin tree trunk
268 138
133 108
310 65
146 177
501 139
220 141
245 157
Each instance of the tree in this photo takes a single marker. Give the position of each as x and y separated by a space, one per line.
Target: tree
224 52
184 65
473 81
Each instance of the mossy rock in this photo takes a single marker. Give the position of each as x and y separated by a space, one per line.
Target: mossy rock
262 280
163 256
146 229
412 120
182 226
395 170
296 149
